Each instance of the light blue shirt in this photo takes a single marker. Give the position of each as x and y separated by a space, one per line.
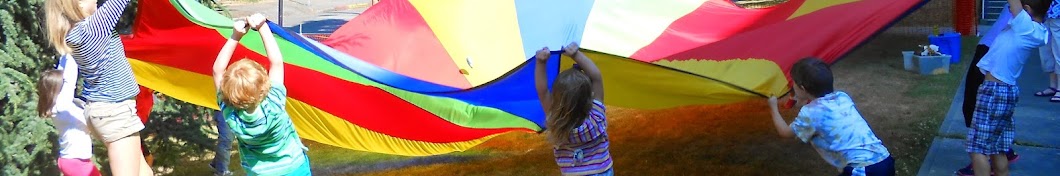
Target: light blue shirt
1012 48
839 133
1001 23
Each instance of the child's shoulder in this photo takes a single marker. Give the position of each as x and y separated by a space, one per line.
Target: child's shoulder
832 102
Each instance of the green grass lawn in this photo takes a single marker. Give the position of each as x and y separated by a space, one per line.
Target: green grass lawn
937 93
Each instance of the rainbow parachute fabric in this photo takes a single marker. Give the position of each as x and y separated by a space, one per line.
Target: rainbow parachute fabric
423 77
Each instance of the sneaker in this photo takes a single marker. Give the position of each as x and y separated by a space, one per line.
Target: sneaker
1012 156
966 171
226 173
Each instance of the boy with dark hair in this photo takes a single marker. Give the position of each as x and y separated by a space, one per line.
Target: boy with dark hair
993 130
831 123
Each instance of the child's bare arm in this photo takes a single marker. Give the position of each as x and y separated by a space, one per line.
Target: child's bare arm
541 78
1015 6
271 48
589 68
782 127
225 55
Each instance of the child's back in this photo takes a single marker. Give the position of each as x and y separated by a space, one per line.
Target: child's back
838 132
586 150
1012 48
69 118
253 103
268 142
55 91
831 123
576 121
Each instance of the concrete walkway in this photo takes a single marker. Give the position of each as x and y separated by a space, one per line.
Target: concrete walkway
305 16
1037 126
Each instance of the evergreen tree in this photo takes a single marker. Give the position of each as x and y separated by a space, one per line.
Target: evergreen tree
26 140
177 130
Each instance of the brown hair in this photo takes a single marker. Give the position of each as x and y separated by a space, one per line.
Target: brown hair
59 17
244 84
1040 7
51 81
572 97
813 75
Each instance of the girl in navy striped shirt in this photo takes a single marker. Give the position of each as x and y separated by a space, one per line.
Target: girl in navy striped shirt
82 30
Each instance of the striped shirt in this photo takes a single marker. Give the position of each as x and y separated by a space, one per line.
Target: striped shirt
587 151
100 55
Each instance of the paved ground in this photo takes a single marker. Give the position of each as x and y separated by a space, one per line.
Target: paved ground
304 16
1037 124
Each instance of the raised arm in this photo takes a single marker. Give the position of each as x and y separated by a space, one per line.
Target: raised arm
271 49
1015 6
782 127
239 28
102 23
589 68
66 93
541 78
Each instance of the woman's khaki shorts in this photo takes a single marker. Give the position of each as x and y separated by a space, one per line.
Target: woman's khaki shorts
113 120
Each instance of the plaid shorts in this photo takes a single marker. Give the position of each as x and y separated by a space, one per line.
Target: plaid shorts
992 129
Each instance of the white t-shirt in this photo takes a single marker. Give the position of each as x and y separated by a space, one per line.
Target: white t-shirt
1012 48
74 141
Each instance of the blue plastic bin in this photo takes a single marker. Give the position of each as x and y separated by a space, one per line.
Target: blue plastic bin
950 44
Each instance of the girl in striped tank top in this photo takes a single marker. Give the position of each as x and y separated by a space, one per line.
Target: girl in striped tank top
575 121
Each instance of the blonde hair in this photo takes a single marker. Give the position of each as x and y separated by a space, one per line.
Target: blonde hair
51 81
244 84
60 16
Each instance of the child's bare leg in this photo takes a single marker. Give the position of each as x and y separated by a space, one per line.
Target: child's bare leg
980 164
126 156
1000 162
145 169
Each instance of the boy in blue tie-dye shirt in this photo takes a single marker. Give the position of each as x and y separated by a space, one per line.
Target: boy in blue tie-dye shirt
831 123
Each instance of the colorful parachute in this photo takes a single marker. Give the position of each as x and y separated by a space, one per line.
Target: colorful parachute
421 77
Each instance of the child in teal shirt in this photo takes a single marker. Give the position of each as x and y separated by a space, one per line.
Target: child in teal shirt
252 103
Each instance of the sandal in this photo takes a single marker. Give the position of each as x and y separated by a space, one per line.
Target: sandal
1047 92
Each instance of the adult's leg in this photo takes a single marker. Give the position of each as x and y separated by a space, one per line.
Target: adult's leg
223 153
971 82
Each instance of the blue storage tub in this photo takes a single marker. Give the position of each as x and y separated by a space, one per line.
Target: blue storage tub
949 43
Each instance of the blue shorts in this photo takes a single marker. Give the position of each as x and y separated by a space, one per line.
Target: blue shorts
992 129
882 168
